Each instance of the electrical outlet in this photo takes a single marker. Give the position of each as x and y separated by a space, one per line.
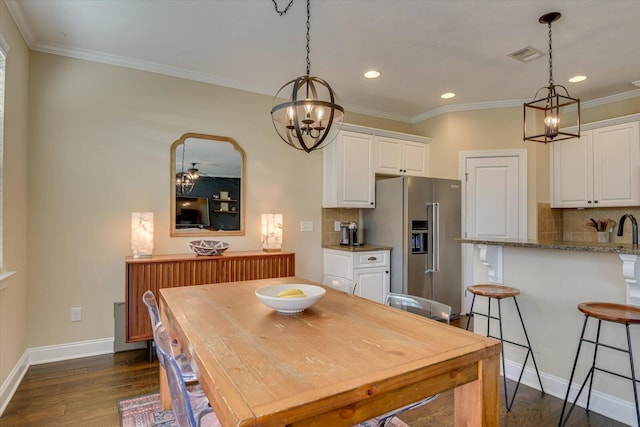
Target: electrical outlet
336 225
306 225
76 314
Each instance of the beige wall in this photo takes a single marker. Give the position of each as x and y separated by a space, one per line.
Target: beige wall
13 299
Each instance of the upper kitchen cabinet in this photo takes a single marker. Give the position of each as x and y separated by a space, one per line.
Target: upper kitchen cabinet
348 180
601 169
393 156
350 163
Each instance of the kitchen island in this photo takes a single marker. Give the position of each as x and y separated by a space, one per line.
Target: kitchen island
554 277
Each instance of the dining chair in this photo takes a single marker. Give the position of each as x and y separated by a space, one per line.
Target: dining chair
190 407
421 306
154 314
341 283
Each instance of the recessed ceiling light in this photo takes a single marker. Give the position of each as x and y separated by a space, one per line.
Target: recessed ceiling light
576 79
372 74
447 95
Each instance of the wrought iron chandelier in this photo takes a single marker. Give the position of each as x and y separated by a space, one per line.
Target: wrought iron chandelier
184 180
554 109
305 111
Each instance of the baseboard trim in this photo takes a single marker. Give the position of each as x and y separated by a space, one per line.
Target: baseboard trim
74 350
604 404
10 385
46 354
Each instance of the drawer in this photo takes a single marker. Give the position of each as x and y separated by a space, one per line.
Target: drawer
371 259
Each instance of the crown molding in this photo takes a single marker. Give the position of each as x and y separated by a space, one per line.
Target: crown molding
611 98
182 73
21 22
375 113
468 107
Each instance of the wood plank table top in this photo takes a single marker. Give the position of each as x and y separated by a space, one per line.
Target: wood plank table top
342 361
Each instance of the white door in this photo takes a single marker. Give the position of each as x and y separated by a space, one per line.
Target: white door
492 192
494 200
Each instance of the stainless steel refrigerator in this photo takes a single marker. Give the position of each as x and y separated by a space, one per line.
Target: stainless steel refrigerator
420 219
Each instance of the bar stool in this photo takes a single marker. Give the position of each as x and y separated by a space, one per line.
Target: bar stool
498 292
609 312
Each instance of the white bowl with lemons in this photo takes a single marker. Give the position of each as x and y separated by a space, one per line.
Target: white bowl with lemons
290 298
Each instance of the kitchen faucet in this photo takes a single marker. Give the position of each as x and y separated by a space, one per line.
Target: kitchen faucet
634 230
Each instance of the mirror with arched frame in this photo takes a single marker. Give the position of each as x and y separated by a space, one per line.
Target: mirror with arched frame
207 186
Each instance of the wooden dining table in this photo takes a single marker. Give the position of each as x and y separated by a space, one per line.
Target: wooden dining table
342 361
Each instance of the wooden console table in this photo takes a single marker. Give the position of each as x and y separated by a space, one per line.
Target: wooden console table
168 271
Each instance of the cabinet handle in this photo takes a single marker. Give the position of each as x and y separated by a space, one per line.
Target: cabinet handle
595 201
372 258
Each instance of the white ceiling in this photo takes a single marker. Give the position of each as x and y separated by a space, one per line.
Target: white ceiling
422 47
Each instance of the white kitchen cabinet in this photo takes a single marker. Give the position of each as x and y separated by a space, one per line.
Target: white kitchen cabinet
393 156
370 270
348 180
601 169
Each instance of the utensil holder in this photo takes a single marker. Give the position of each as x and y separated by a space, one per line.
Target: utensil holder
603 236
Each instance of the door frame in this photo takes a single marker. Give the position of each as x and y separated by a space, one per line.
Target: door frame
467 249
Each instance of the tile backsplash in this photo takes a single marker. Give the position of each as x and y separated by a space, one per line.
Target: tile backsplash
329 215
549 223
571 224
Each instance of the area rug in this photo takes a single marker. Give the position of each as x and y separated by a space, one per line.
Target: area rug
146 411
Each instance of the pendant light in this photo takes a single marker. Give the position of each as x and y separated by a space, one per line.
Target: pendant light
546 116
184 180
305 111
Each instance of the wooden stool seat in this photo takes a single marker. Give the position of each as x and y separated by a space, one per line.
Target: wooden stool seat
619 313
499 292
603 312
494 291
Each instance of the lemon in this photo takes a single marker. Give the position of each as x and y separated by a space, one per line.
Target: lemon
291 293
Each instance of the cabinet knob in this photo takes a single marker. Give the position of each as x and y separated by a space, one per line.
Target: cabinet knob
595 201
372 258
588 201
371 203
387 271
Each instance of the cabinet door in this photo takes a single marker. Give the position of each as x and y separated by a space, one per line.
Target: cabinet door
356 179
397 157
372 283
615 165
348 180
388 156
337 263
572 172
415 158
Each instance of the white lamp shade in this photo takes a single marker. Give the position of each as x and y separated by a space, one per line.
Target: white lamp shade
271 232
142 234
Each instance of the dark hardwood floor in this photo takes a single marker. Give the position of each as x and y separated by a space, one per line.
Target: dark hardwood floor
85 392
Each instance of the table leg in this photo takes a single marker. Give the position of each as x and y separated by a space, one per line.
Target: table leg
477 403
165 397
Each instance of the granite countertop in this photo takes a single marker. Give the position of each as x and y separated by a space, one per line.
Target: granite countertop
611 248
360 248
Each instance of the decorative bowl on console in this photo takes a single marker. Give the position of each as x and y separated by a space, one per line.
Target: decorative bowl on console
208 247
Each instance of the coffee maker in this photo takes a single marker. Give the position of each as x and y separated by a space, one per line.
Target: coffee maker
349 234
